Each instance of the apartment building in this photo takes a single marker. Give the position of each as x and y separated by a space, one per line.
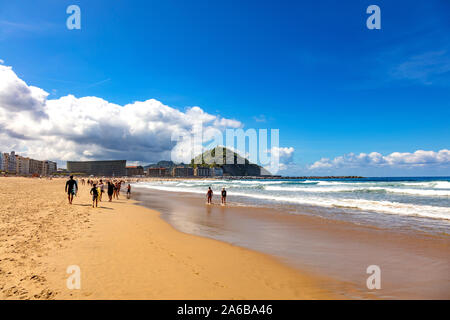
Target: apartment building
202 172
22 165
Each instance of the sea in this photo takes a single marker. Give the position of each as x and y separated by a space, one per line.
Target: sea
403 203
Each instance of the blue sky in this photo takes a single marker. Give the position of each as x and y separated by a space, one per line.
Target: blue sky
311 69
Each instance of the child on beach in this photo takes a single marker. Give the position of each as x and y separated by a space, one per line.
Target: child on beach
94 192
128 191
209 195
224 196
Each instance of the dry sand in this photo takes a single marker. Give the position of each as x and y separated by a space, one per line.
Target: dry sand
125 251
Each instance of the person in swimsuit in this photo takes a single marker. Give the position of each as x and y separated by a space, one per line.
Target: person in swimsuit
71 187
128 191
110 190
116 191
94 192
102 189
209 195
224 196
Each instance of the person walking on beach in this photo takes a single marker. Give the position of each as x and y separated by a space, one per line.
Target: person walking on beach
116 191
94 192
209 195
110 190
224 196
128 191
71 188
119 184
102 190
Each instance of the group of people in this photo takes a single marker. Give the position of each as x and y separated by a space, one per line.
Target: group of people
209 195
97 189
113 190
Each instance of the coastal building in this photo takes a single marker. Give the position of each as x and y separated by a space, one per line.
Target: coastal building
157 172
182 172
14 163
216 172
22 165
202 171
135 171
111 168
35 167
9 162
48 167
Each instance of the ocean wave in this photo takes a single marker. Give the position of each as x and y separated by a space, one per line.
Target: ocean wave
417 192
442 184
381 206
365 205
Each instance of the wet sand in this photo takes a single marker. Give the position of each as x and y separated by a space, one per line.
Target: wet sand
413 265
126 251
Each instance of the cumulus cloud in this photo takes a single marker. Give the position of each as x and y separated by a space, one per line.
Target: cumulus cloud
286 156
417 159
16 96
285 159
87 128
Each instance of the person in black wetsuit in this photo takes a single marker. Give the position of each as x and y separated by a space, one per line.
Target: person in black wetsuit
94 192
224 196
71 187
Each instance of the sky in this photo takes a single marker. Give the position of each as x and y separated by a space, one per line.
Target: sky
347 100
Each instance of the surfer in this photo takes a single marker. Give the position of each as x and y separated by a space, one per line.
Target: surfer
94 192
71 188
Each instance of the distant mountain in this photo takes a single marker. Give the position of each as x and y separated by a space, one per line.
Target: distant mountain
161 164
232 163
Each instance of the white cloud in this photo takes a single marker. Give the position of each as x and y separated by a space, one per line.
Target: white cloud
417 159
286 154
285 159
71 128
2 61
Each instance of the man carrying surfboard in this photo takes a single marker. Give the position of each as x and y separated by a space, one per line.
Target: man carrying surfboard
71 188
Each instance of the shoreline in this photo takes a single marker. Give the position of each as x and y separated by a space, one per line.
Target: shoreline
414 265
125 251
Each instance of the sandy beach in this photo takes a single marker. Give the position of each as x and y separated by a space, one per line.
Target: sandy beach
126 251
413 264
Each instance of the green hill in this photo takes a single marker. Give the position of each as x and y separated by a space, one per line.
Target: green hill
232 163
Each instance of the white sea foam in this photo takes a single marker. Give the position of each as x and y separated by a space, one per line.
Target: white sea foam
331 194
442 184
367 205
418 192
